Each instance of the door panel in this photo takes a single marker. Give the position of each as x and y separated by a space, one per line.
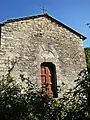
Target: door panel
46 80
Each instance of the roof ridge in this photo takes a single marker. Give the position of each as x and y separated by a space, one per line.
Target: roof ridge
48 16
25 17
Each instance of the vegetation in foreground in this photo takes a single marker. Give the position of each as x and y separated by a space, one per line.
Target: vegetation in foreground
18 103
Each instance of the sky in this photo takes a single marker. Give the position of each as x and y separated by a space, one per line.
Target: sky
73 13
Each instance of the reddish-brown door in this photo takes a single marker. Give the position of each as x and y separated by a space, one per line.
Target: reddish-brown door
46 80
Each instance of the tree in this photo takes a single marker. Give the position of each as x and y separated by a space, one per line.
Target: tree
29 105
32 104
79 98
87 53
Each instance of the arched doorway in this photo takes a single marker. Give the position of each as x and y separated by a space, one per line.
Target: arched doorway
48 79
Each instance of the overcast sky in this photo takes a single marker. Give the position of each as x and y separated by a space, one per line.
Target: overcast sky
74 13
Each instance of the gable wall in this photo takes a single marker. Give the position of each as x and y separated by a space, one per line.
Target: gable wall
32 42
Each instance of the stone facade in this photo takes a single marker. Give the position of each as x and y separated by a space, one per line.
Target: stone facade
33 41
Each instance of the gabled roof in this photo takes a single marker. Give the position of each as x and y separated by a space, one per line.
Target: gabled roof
49 17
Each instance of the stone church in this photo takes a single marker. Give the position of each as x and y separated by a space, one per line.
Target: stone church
43 49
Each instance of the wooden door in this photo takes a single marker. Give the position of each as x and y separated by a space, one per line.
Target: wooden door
46 80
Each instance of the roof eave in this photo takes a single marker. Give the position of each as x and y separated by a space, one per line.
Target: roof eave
69 28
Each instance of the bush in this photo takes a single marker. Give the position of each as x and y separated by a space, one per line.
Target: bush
31 104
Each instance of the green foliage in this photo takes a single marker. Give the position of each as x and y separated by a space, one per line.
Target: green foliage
12 103
33 105
80 97
87 53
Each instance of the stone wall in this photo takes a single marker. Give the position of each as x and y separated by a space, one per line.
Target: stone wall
34 41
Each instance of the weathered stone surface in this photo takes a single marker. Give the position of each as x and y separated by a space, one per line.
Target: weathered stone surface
32 42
